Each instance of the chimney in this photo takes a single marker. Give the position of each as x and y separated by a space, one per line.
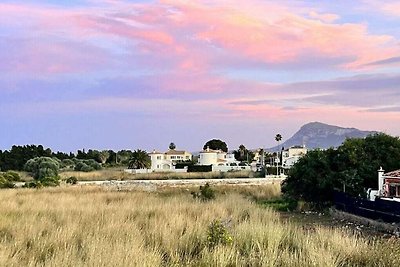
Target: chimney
380 181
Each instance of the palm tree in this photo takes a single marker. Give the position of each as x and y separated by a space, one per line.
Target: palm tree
278 138
139 160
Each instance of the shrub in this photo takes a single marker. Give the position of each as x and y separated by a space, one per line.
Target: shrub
199 168
44 170
87 165
12 176
72 180
217 234
205 193
5 183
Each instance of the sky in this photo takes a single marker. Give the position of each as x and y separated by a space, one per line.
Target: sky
113 74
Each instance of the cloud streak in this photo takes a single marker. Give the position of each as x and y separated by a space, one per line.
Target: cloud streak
192 59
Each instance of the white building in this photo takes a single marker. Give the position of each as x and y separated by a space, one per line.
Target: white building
220 160
291 155
166 161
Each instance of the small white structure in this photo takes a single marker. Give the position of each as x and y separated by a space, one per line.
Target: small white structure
221 161
388 186
166 161
291 155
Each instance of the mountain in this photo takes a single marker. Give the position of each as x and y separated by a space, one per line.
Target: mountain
321 135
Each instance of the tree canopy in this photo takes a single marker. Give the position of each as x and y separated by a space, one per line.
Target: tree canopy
352 167
216 144
44 170
172 146
243 154
140 160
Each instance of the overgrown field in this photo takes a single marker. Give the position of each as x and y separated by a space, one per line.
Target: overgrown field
92 226
119 174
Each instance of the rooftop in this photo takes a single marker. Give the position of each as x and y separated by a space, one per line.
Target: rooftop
395 173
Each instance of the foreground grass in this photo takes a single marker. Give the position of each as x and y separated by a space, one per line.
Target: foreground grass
91 226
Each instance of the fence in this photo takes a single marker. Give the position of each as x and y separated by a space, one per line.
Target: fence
380 209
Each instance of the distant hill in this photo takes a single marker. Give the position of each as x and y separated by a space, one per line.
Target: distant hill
321 135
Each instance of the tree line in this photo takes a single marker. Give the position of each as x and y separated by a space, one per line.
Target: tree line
16 157
351 168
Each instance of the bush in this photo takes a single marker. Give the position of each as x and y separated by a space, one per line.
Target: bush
199 168
11 176
42 167
5 183
87 165
72 180
206 193
67 163
217 234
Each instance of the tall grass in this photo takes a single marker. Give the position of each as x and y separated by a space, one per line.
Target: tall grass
92 226
120 174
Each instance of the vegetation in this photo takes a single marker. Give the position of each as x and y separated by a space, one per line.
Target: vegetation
91 226
44 170
352 167
8 178
205 193
140 160
120 174
243 154
17 156
172 146
86 165
216 144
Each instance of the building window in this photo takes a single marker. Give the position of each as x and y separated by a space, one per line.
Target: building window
158 157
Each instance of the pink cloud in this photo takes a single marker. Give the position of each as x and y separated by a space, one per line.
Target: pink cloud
191 36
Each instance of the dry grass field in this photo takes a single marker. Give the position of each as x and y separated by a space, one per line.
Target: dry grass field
119 174
93 226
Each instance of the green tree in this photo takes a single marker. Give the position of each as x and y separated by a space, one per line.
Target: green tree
139 160
172 146
216 144
243 154
44 170
352 167
103 156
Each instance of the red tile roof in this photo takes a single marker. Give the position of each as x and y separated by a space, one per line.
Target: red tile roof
393 174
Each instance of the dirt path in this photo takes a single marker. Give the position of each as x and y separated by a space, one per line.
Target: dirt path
179 182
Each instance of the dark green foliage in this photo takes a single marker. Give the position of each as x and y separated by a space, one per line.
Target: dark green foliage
280 204
216 144
67 163
42 167
199 168
172 146
351 167
140 160
217 234
11 176
243 154
87 165
72 180
16 158
205 193
44 170
6 180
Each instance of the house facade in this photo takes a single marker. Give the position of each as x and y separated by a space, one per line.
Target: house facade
166 161
220 160
291 155
389 184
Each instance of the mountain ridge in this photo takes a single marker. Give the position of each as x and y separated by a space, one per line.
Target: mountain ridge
321 135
